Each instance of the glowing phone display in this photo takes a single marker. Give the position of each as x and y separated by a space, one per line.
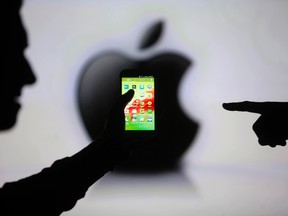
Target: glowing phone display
140 111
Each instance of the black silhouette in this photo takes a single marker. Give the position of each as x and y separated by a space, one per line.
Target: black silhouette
176 129
270 126
57 188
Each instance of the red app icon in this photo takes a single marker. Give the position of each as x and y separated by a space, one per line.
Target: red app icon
136 102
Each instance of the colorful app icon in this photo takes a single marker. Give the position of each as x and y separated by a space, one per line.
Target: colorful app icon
136 102
142 111
126 86
141 86
149 119
134 111
142 103
149 86
149 103
133 86
149 111
142 94
141 119
149 95
134 118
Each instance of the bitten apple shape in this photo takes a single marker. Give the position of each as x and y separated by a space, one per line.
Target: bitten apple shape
99 89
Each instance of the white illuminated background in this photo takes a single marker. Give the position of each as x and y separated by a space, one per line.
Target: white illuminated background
240 51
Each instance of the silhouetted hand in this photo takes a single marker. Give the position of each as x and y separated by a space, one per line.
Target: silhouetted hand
271 127
116 120
113 135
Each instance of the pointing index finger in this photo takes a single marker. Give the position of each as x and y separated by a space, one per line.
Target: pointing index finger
245 106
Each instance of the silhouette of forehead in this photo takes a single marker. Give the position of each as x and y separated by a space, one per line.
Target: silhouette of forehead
16 35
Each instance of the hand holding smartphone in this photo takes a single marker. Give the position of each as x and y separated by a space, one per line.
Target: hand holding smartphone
140 112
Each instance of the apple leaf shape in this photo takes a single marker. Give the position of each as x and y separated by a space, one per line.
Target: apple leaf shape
152 35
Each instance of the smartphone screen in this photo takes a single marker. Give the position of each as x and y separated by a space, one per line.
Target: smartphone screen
140 111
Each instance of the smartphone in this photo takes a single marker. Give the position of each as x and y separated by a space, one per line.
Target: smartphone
140 112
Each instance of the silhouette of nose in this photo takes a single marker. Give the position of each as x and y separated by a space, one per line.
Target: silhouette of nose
29 76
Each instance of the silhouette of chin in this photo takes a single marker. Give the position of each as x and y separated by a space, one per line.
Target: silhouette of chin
99 89
7 122
8 115
7 125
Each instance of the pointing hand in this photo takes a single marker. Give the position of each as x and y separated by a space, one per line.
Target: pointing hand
270 127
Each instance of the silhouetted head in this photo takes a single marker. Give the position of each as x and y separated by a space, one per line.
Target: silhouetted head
15 72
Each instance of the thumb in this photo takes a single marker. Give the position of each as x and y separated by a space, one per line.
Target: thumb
117 112
115 121
125 98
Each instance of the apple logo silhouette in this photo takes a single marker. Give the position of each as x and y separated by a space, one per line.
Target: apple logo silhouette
99 87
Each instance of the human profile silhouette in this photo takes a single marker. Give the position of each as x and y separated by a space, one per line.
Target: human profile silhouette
56 188
16 72
270 126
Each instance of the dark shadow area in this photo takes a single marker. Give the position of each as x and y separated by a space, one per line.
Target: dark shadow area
270 127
